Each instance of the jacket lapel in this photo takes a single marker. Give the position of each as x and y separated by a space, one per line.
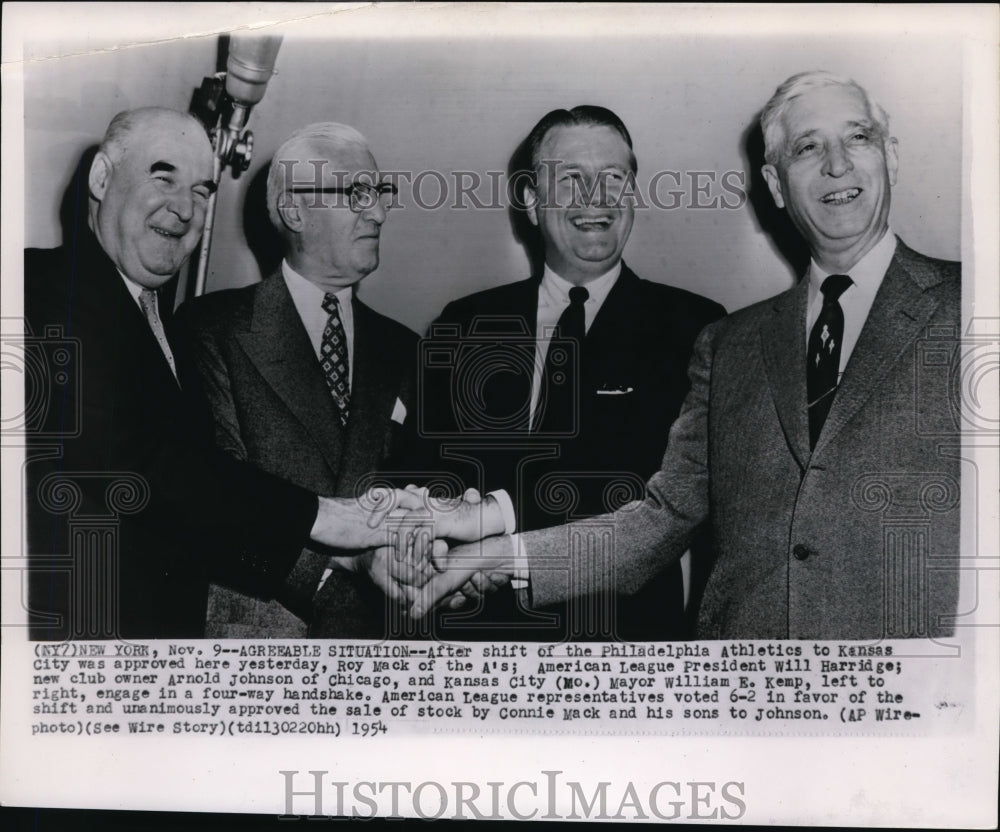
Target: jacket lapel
616 320
899 313
99 271
513 324
783 346
279 347
374 389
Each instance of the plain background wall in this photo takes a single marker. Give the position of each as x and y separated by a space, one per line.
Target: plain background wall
446 104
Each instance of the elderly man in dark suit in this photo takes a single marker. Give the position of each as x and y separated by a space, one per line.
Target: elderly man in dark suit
804 441
303 379
131 510
558 389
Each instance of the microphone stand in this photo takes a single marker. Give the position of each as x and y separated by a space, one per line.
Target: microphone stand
229 97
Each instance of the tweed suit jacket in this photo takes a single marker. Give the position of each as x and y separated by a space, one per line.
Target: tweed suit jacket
272 408
853 540
632 383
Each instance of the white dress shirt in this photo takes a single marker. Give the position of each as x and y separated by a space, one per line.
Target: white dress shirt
308 300
134 289
856 301
553 299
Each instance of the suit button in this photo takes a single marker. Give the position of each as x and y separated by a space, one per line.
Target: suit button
800 552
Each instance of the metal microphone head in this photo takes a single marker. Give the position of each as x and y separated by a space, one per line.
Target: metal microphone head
250 66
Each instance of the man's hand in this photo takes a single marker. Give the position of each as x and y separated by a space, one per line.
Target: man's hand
398 578
493 558
466 519
478 586
381 517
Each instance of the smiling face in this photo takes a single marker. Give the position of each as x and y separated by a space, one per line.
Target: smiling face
834 174
150 196
578 205
332 245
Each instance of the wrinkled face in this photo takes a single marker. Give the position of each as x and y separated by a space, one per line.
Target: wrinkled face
834 174
336 246
151 202
582 204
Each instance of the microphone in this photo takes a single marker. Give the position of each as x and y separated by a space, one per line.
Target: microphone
248 69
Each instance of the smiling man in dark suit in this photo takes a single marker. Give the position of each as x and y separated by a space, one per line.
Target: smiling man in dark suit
817 441
131 510
303 379
562 386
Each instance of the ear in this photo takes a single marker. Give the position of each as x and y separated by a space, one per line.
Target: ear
892 158
290 212
531 204
100 175
773 184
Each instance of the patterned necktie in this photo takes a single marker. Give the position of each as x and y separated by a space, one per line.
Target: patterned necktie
823 357
333 358
554 411
147 302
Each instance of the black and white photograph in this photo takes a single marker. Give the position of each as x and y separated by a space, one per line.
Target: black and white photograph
514 411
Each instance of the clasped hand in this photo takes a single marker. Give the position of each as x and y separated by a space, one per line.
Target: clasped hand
418 562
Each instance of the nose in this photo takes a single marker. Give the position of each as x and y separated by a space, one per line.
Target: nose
376 213
587 192
182 205
837 162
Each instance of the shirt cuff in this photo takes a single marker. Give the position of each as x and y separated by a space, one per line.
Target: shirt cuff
507 509
326 574
519 577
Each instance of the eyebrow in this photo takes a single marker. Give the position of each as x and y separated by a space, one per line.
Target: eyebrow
166 167
849 125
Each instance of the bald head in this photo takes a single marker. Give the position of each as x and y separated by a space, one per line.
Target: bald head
330 238
149 187
302 157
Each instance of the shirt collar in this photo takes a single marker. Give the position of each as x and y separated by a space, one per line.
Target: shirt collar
558 287
867 273
134 289
302 288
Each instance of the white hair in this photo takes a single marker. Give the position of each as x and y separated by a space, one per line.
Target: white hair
771 116
296 149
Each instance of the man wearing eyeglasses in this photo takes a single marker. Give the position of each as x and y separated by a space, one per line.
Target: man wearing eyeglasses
303 379
130 509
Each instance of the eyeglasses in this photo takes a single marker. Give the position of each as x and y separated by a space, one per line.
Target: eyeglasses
361 195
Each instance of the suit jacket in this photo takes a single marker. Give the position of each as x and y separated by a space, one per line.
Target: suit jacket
632 383
271 407
851 540
130 508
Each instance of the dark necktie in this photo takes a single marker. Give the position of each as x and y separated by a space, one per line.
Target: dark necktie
557 398
823 358
333 358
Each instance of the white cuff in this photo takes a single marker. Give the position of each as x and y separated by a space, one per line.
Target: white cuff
326 574
520 575
507 509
